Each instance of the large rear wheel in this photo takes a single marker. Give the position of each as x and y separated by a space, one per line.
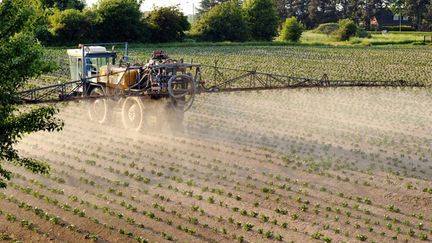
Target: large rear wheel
182 89
132 113
98 108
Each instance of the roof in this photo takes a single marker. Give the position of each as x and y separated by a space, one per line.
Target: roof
385 17
88 49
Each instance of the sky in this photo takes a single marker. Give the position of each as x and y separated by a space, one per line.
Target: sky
148 5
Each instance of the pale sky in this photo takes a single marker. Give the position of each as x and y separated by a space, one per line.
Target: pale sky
185 5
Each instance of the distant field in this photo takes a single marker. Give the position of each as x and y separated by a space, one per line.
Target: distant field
378 38
411 63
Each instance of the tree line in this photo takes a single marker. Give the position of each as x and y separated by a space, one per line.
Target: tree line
70 22
63 22
314 12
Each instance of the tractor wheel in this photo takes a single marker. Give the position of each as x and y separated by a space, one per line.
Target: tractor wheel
182 90
98 108
132 113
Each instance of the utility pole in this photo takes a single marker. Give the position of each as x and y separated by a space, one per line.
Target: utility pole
400 19
193 12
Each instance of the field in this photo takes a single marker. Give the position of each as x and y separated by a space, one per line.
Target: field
377 38
410 63
307 165
335 165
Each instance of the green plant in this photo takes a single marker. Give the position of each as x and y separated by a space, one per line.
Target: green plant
361 237
279 237
347 29
362 33
268 234
248 226
211 199
292 30
316 235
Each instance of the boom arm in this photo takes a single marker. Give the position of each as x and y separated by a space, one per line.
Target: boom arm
244 80
219 79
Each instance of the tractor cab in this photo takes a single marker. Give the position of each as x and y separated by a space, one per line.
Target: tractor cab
96 67
95 58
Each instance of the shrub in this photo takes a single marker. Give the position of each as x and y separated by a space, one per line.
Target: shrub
261 17
327 28
347 29
223 22
120 20
168 24
362 33
71 26
292 30
397 28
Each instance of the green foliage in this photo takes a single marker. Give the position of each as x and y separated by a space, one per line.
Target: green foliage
40 21
261 17
362 33
206 5
168 24
292 30
71 26
21 59
361 237
65 4
347 29
398 28
396 6
224 22
120 20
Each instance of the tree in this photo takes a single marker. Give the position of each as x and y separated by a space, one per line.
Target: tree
353 9
261 17
71 26
427 17
397 8
297 8
121 20
206 5
22 58
40 23
371 8
289 8
224 22
168 24
416 10
314 13
321 11
65 4
292 30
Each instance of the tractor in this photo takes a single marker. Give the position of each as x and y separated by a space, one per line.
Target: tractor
121 87
115 89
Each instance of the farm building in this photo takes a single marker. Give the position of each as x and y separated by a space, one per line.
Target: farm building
385 19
